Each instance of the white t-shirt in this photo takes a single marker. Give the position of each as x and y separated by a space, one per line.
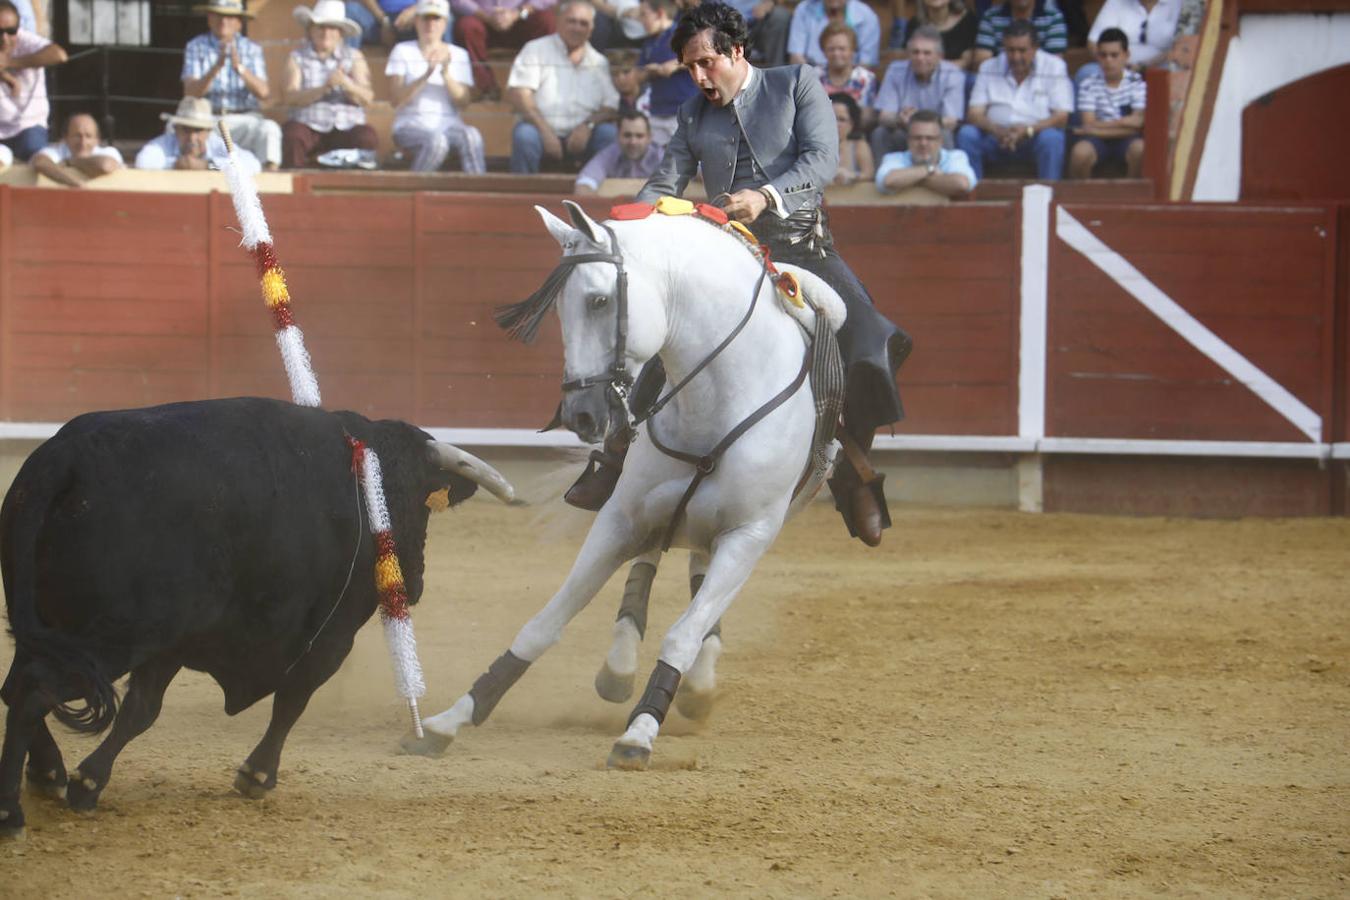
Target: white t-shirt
6 157
1045 90
431 106
60 153
566 94
162 153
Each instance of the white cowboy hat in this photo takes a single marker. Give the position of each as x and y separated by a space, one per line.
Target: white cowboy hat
225 8
193 112
327 12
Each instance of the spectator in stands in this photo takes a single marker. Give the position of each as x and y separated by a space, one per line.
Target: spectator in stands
192 143
810 18
617 25
561 89
386 21
769 22
856 162
480 24
328 89
1149 25
1019 107
924 81
669 83
840 76
1052 35
24 109
633 155
79 156
634 96
1111 106
228 69
957 26
430 81
927 163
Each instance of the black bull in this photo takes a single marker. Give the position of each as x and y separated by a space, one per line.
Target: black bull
217 535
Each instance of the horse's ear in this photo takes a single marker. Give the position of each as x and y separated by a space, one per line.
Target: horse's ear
563 233
584 223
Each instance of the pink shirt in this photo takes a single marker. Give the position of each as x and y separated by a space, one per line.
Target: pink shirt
30 107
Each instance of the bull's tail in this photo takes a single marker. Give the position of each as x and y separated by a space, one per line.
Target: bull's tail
60 666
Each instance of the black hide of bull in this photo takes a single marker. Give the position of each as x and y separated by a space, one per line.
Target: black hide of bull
216 535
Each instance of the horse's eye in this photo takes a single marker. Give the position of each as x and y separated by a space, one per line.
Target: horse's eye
598 301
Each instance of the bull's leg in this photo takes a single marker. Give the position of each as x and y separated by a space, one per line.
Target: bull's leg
734 556
614 681
140 708
26 711
258 774
698 687
611 542
46 768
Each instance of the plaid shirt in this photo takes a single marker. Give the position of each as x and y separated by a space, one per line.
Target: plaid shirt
334 110
1111 103
1051 32
227 92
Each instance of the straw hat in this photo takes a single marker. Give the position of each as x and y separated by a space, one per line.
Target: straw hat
193 112
327 12
225 8
433 8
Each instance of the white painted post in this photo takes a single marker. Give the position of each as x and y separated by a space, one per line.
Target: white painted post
1032 349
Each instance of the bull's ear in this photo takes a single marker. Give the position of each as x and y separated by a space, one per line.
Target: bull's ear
563 233
584 223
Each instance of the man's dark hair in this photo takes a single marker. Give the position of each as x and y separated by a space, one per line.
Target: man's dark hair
635 115
926 115
727 26
1022 28
9 5
1114 36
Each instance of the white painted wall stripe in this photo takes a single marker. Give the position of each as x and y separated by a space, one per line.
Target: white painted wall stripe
1119 270
1035 281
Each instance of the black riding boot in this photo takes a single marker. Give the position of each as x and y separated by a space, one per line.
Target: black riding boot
595 485
859 493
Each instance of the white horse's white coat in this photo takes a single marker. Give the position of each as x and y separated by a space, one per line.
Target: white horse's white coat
689 285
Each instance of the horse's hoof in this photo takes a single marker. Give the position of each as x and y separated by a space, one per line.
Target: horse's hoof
11 824
629 757
82 792
695 706
251 784
430 744
51 783
612 686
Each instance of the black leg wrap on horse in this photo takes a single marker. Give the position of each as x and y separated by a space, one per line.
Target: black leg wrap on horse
661 688
637 591
493 684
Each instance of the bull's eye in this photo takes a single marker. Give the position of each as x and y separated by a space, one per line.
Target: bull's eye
598 301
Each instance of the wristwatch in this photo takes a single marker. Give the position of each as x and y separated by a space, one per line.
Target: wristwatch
1031 132
931 168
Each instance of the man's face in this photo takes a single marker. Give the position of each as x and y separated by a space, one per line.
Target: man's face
1021 50
653 22
923 58
575 24
835 8
9 23
224 27
925 141
81 136
719 77
635 136
625 80
325 38
1021 9
838 52
1113 59
191 141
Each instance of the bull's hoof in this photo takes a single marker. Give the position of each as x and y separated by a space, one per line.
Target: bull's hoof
49 783
629 757
11 824
430 744
612 686
694 705
82 792
252 784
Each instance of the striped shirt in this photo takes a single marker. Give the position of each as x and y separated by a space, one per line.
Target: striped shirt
1110 103
227 92
334 110
861 85
1051 32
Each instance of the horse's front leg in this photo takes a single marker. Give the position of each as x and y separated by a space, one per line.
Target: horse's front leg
734 555
614 681
611 542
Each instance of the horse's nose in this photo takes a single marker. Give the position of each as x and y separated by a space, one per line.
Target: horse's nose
584 425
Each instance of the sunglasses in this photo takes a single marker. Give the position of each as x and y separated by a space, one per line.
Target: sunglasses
11 32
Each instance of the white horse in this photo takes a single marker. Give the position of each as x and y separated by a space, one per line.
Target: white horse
625 292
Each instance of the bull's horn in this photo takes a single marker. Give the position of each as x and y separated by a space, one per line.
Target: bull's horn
461 462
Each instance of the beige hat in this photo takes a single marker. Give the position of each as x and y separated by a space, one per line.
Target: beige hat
225 8
433 8
193 112
327 12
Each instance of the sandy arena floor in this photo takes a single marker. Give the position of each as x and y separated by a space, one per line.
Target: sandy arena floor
992 705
